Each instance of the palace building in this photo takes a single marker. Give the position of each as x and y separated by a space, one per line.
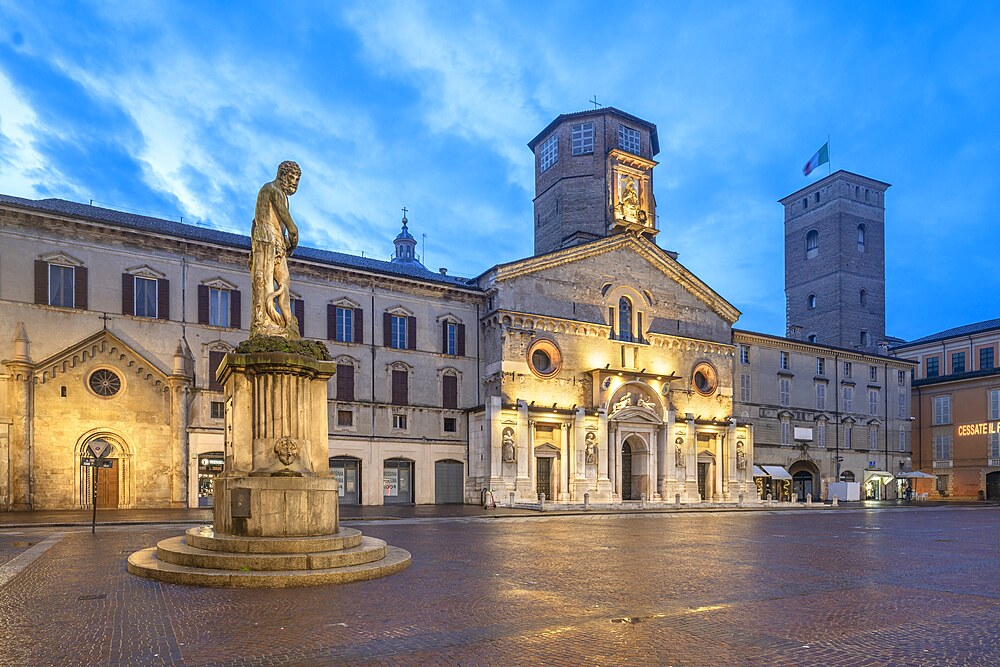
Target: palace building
599 368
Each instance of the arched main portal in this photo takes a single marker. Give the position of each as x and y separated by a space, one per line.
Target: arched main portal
115 486
635 468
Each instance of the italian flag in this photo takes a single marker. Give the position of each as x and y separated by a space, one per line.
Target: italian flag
822 156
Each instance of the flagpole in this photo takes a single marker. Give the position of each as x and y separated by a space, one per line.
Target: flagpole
829 160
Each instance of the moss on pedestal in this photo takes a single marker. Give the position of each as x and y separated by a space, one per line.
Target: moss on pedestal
313 349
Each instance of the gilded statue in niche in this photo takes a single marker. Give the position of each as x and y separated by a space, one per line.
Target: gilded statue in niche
590 448
508 450
273 237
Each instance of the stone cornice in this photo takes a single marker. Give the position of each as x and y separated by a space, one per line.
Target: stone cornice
780 343
643 247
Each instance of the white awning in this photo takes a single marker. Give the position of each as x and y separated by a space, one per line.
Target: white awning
757 472
776 472
916 474
878 473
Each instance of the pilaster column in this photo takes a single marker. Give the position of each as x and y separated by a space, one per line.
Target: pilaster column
180 473
20 403
566 464
691 457
722 461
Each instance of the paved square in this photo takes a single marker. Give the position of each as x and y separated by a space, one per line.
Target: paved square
847 587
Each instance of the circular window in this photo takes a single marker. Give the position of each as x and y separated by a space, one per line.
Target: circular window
104 383
705 379
544 358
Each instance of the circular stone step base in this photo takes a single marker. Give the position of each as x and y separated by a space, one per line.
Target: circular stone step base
205 537
145 564
177 551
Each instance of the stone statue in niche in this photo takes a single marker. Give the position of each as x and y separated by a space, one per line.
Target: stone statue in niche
678 453
273 237
508 449
741 456
590 449
629 198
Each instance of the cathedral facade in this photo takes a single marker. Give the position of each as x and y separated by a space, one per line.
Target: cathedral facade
600 368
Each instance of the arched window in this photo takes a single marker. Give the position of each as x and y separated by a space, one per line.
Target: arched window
847 476
811 301
812 244
861 238
863 296
624 319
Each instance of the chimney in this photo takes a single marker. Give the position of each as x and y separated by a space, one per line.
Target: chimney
795 332
443 271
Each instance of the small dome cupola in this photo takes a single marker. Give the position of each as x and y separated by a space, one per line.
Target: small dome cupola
406 245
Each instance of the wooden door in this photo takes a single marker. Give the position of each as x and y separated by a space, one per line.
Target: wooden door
543 479
107 487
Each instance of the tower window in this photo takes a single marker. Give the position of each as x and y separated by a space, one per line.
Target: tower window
861 238
628 139
817 197
812 244
811 301
549 152
583 138
864 338
812 338
863 297
805 202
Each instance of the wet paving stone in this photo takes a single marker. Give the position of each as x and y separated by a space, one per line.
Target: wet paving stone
851 587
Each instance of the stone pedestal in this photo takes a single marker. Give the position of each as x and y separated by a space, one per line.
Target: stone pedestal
276 504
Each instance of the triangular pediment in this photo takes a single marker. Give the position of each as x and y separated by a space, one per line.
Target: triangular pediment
101 345
636 414
641 246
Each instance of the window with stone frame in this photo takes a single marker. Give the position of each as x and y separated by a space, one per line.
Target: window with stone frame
625 319
783 361
786 434
400 389
218 410
902 440
61 283
219 305
872 438
902 399
873 402
453 338
942 409
449 391
821 396
744 354
820 366
862 234
942 447
847 369
784 391
848 399
932 365
399 331
821 433
450 425
345 381
745 385
873 373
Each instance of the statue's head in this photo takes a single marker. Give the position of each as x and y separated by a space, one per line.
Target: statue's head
289 174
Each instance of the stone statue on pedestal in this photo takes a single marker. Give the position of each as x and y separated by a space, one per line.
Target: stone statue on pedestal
273 237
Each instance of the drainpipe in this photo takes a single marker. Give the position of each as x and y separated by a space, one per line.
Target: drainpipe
836 416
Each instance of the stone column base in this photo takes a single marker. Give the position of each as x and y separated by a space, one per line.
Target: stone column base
277 506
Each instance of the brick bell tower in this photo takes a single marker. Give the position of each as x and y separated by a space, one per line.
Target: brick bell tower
835 261
593 178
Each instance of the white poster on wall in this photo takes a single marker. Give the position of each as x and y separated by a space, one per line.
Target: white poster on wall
338 473
390 482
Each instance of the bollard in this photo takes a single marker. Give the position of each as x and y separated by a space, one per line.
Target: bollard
642 501
739 501
809 499
541 502
835 501
677 499
769 499
586 500
512 500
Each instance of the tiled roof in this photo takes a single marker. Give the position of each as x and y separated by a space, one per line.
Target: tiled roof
964 330
169 228
561 118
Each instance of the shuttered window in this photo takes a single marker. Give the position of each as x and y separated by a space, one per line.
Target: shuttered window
59 285
299 310
400 391
214 359
345 382
219 307
449 388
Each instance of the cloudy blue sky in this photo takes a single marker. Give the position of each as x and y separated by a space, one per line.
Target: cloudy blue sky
184 109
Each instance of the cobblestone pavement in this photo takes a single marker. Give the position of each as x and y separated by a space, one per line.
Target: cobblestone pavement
12 546
851 587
